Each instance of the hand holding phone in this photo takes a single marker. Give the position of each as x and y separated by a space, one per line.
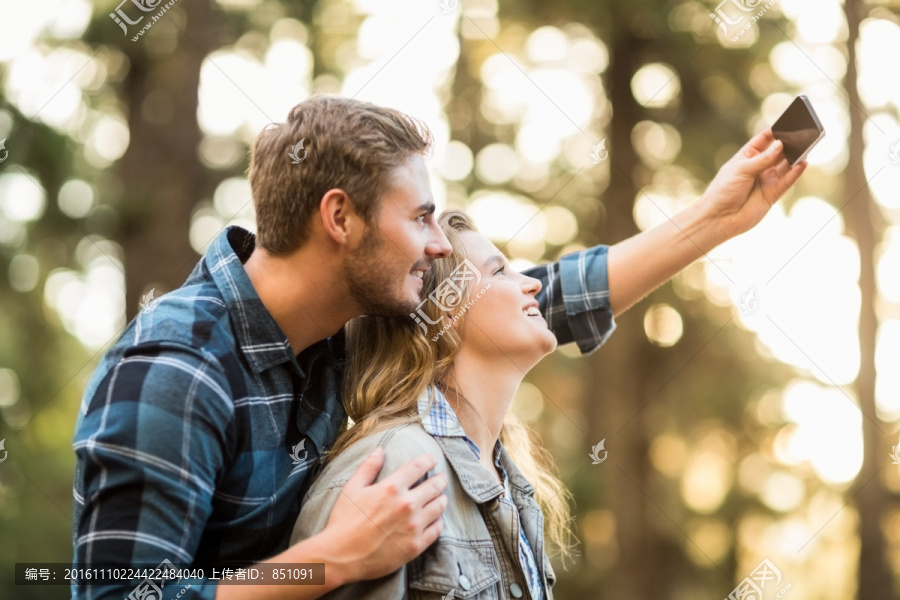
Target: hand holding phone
799 129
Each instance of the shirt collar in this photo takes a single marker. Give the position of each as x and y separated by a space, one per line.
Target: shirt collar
441 420
261 340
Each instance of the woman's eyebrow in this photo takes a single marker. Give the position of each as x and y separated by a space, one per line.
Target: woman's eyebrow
496 259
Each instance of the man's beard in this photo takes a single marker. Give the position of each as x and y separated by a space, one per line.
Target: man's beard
371 286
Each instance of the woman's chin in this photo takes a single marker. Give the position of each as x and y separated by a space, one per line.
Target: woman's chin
549 344
525 346
541 340
540 346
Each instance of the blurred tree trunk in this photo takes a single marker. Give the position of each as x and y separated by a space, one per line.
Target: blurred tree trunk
161 174
875 581
620 372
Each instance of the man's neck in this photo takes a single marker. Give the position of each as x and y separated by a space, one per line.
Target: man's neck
302 294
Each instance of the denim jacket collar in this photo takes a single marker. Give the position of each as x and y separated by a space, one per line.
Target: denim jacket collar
458 449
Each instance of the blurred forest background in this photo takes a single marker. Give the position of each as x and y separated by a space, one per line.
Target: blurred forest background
750 408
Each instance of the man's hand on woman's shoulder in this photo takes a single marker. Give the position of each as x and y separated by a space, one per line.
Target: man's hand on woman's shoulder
374 526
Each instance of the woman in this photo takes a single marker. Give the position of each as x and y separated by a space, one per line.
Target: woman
442 383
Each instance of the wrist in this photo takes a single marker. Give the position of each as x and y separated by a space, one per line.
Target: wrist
705 225
321 549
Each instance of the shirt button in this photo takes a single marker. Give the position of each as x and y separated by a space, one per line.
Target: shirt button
464 583
515 590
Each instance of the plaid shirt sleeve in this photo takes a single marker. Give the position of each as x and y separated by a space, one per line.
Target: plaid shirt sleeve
574 298
151 439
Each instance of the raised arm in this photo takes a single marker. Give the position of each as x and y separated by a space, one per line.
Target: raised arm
583 292
737 199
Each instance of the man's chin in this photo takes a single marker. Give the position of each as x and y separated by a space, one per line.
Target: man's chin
412 301
376 290
398 307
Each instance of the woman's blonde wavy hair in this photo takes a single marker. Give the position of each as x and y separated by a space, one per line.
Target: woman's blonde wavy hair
391 361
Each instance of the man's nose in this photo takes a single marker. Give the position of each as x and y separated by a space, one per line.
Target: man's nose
438 246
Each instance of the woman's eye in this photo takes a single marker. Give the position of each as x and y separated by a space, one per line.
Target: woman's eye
420 218
500 270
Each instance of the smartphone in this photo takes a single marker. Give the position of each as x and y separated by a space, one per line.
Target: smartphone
799 129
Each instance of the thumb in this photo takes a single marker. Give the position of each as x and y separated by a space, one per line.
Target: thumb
766 159
367 471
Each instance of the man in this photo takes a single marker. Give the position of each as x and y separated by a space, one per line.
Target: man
200 430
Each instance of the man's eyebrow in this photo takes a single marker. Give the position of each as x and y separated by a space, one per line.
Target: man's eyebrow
428 207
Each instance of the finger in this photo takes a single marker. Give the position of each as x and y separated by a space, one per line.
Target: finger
411 472
429 489
367 471
759 142
785 183
432 532
434 509
765 160
782 169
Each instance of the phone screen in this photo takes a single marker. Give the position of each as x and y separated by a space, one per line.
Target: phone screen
797 129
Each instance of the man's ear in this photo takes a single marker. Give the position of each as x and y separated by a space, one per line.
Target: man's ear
339 216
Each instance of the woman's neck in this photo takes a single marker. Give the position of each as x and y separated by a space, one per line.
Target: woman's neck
489 387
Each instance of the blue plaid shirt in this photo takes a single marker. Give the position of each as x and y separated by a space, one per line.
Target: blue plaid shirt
200 430
442 421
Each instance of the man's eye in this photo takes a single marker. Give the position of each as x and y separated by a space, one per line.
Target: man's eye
420 218
500 270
